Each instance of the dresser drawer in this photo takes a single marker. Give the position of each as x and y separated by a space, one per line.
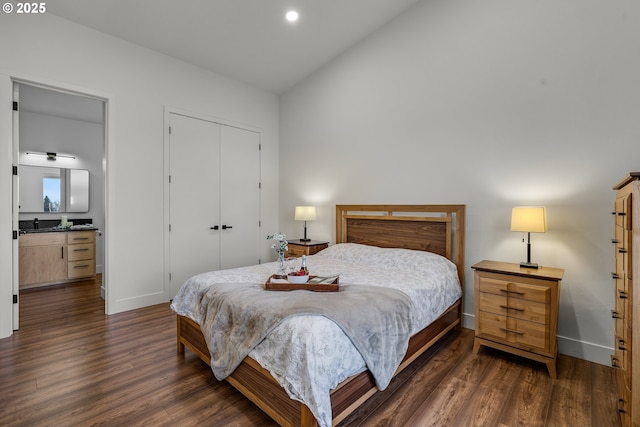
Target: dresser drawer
620 326
623 399
530 336
81 251
623 212
620 346
513 289
623 252
519 308
78 269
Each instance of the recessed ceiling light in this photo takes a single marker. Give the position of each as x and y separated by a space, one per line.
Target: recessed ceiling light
292 16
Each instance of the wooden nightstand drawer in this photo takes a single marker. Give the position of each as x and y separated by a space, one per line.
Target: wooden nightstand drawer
297 251
514 307
528 335
298 248
516 289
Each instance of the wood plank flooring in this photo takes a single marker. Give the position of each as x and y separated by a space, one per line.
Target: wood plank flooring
71 365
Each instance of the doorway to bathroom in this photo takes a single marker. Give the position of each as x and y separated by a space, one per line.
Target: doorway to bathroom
60 138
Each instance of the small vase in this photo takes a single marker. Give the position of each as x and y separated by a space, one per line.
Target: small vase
281 269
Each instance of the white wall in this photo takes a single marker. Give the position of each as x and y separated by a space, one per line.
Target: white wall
493 104
139 84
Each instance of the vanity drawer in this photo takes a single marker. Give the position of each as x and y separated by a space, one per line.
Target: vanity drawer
85 268
81 252
42 239
74 237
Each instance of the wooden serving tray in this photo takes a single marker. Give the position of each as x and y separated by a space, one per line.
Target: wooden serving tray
321 287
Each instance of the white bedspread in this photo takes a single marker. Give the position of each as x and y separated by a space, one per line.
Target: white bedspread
311 355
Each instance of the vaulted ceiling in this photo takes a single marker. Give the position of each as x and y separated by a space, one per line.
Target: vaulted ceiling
248 40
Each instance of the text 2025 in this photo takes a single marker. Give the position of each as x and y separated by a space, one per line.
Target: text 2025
31 7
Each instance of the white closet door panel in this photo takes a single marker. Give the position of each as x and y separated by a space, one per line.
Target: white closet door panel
240 197
194 166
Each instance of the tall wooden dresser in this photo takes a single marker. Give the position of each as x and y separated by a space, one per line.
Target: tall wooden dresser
626 313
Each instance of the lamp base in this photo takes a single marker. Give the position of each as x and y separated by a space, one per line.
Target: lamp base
305 240
528 265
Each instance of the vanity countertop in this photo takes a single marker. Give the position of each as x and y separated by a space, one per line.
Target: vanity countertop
57 229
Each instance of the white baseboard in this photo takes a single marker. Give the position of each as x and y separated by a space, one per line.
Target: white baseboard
585 350
571 347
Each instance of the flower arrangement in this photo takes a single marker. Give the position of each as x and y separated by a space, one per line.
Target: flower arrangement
280 243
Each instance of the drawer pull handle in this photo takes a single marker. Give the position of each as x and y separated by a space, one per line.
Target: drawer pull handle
614 241
621 406
506 307
81 250
81 266
622 250
622 295
80 238
622 213
511 292
614 275
512 330
621 345
615 362
615 315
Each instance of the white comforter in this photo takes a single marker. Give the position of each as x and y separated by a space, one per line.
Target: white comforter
309 365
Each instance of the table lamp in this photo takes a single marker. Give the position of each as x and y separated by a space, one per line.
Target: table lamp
305 213
529 219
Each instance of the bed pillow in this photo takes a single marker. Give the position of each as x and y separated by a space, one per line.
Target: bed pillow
405 260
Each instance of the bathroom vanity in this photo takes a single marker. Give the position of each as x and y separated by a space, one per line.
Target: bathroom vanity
51 257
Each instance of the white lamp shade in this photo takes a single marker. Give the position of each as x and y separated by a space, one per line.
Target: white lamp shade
531 219
305 213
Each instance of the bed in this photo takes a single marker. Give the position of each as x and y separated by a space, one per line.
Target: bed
437 229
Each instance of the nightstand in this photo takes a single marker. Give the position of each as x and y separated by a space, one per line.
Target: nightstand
517 310
299 248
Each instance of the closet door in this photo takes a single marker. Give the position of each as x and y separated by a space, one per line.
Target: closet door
239 197
194 198
214 198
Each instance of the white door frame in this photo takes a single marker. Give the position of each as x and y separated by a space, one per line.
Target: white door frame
15 201
108 130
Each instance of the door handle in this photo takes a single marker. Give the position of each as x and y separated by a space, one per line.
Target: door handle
224 227
215 227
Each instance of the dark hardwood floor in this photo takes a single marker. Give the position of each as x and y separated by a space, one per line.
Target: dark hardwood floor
71 365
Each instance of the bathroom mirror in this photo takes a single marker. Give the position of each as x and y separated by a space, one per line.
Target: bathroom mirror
47 189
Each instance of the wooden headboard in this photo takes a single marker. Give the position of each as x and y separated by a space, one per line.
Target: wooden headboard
434 228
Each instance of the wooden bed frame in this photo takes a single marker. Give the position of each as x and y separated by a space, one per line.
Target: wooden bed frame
433 228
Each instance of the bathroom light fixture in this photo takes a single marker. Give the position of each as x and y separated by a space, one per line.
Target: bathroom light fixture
51 155
305 213
292 16
530 219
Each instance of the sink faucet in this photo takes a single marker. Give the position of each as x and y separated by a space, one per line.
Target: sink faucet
36 224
